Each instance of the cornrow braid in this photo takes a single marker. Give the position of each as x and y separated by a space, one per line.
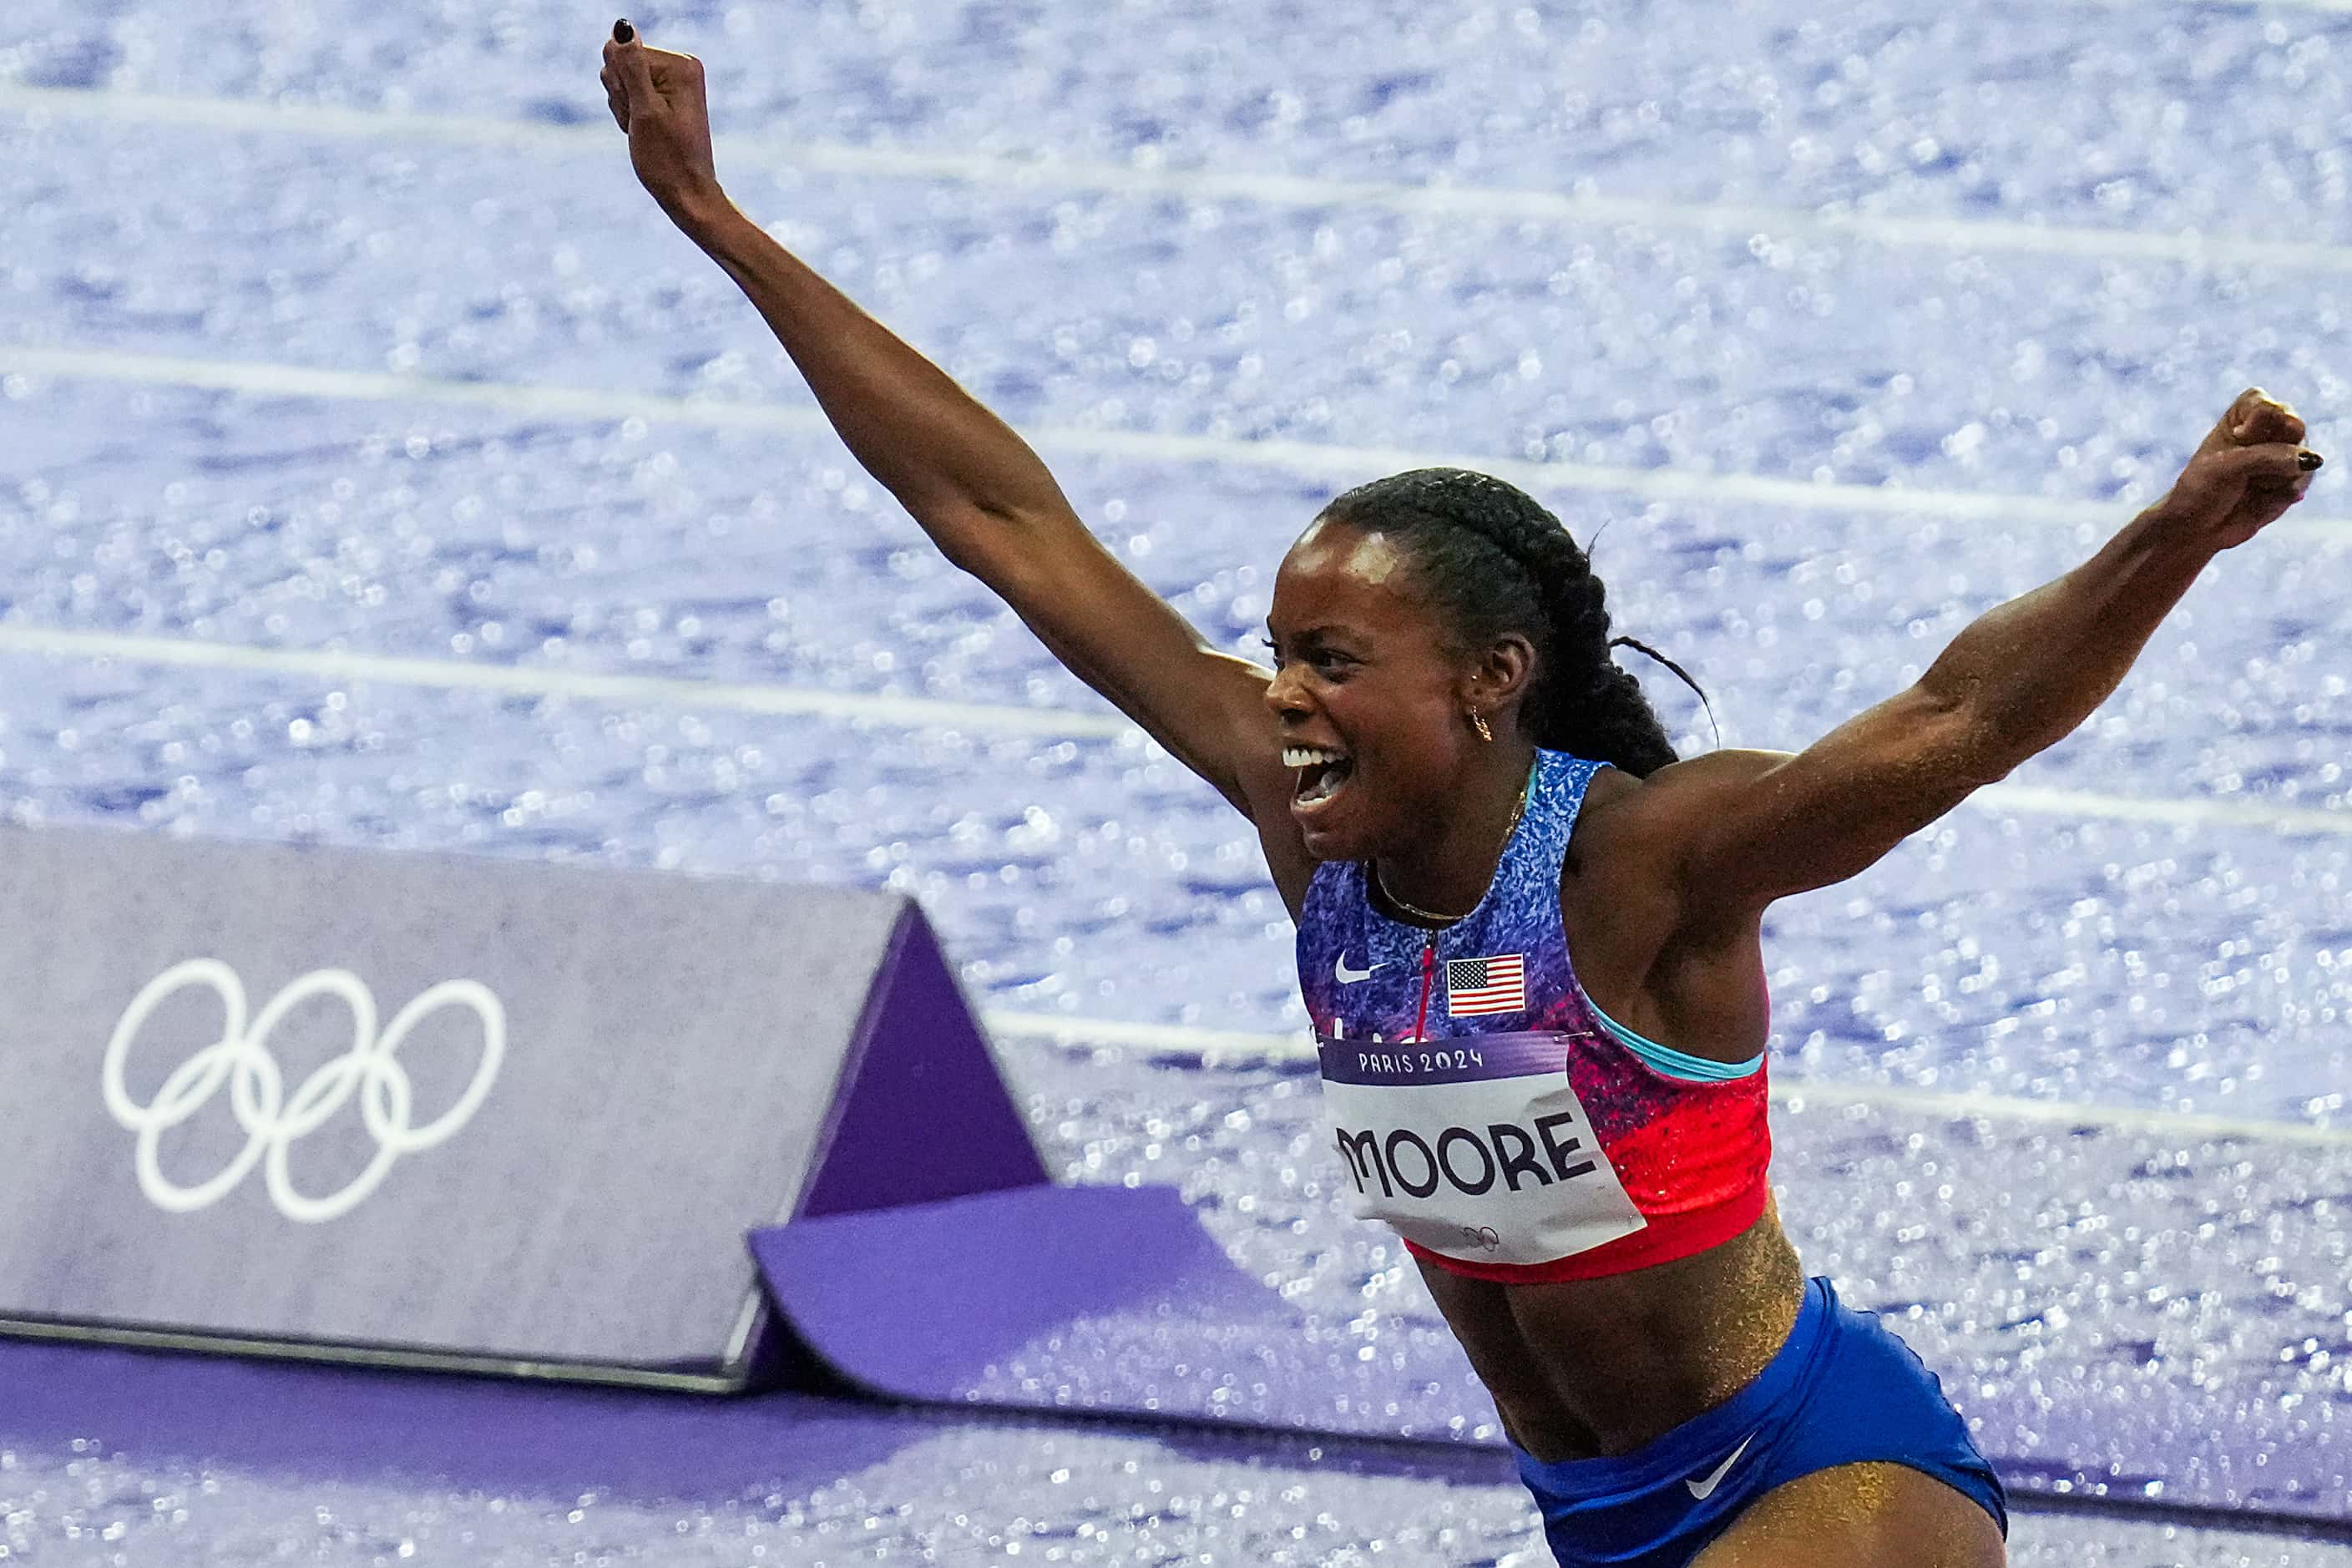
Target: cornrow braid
1492 560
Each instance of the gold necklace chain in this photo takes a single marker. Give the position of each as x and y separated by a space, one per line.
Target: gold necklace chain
1415 910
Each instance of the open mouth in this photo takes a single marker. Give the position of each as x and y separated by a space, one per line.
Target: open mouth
1321 774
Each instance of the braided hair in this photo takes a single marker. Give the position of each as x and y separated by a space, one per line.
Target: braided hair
1492 560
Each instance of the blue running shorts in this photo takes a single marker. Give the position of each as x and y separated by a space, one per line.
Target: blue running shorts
1842 1391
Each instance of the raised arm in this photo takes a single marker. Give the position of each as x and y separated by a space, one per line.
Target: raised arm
1746 828
973 486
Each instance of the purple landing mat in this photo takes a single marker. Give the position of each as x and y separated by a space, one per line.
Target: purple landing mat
1111 1300
319 1422
1114 1302
1106 1301
334 1423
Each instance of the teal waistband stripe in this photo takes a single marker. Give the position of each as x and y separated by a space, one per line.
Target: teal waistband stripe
1674 1063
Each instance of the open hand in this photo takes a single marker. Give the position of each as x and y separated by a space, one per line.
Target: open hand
656 96
2247 471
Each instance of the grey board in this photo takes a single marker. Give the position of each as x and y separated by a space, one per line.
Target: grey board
678 1054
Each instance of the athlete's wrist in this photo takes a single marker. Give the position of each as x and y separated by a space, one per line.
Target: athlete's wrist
702 212
2156 541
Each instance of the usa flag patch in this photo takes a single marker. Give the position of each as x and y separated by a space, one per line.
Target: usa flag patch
1476 985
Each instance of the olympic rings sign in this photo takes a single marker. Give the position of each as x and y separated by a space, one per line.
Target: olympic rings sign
273 1121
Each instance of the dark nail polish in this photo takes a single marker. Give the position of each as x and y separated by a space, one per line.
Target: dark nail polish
2307 461
623 32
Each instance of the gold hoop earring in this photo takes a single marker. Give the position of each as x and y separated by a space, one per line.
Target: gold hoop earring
1478 722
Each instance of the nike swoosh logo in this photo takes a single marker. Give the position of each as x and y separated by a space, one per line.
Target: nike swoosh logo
1348 976
1706 1489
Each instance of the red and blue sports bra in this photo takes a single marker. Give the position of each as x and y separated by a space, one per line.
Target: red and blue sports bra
1488 1110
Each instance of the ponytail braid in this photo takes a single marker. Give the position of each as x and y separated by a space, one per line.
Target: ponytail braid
1492 560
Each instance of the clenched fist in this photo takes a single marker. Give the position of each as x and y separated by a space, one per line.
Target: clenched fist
2247 471
656 96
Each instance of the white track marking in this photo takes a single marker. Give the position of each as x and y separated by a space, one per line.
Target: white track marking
1333 464
925 712
543 681
1222 1047
2142 6
2338 6
1200 184
267 380
2040 802
1226 1047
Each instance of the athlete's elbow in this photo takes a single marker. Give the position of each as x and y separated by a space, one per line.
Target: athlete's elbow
1989 767
1979 744
993 545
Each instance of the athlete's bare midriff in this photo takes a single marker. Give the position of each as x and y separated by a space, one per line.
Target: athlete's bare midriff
1589 1367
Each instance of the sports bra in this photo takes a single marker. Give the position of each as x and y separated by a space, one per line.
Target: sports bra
1487 1109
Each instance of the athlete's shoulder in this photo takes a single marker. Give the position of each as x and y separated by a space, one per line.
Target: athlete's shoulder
1694 784
1640 826
1725 765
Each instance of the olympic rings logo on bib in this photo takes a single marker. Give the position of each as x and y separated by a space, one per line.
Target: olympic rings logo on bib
274 1121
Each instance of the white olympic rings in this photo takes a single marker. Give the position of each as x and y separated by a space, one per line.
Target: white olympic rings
272 1120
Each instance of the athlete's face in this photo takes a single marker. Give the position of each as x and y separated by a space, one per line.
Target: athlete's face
1369 700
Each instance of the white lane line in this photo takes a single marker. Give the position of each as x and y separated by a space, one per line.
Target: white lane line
925 712
2142 6
1332 464
1225 1047
269 380
1198 184
542 681
2040 802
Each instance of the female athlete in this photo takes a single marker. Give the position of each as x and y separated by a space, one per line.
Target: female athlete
1456 789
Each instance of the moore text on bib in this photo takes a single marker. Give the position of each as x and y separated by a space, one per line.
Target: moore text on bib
1475 1148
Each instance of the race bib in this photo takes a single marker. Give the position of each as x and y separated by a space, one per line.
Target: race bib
1475 1148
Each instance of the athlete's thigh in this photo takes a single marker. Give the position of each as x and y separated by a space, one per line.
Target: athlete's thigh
1859 1516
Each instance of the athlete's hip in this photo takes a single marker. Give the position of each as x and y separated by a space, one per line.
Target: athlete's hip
1585 1368
1843 1389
